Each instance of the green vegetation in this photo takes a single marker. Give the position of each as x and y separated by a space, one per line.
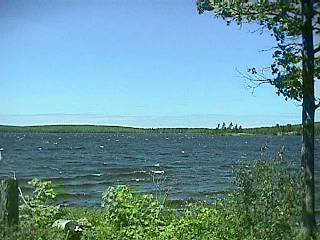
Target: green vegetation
69 129
266 204
232 129
293 71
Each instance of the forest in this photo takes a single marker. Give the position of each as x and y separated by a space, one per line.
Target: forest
221 129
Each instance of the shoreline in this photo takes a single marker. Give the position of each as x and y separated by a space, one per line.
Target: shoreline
285 130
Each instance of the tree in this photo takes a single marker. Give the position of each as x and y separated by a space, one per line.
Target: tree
295 66
230 127
223 127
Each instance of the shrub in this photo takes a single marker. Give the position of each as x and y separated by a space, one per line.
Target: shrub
266 204
28 230
204 222
269 198
130 215
40 208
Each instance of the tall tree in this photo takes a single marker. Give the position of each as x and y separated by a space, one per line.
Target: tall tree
294 68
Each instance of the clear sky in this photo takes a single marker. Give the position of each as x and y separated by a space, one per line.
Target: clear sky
135 63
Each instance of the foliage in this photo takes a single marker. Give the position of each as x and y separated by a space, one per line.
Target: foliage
269 198
264 205
294 67
39 207
69 129
129 215
28 230
87 216
284 20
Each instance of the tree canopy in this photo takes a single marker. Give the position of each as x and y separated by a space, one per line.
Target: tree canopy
293 71
284 21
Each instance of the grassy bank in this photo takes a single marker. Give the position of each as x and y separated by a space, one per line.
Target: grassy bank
265 205
275 130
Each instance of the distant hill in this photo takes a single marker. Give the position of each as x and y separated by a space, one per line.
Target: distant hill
275 130
69 129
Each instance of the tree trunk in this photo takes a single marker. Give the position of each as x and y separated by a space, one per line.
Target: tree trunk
9 213
308 110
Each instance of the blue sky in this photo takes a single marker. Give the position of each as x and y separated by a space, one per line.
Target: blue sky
134 63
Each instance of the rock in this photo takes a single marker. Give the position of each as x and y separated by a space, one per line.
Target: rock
68 225
74 228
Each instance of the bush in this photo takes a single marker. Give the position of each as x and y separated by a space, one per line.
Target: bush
28 230
266 204
39 208
204 222
129 215
269 198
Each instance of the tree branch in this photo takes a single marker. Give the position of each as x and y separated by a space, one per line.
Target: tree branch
254 80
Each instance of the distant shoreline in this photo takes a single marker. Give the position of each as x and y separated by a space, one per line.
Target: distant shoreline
288 129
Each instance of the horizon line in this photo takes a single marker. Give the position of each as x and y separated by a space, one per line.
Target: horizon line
123 126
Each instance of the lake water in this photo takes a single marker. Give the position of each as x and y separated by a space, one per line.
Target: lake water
82 166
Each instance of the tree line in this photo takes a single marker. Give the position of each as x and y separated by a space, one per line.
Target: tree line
220 129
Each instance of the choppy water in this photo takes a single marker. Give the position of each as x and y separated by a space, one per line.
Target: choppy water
82 166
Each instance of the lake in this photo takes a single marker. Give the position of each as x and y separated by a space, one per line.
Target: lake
82 166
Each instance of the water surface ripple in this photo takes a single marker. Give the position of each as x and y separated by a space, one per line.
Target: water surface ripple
82 165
